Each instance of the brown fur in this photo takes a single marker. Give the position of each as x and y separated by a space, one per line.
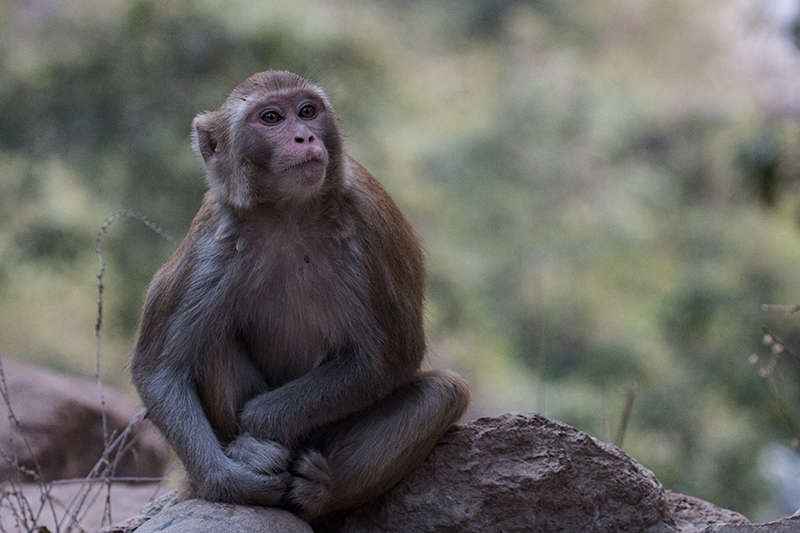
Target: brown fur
279 347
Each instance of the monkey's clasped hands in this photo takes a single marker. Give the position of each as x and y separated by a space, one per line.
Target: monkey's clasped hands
279 348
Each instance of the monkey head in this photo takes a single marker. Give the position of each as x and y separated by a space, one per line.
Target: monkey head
274 141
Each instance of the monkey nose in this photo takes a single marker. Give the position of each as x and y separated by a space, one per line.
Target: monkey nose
302 139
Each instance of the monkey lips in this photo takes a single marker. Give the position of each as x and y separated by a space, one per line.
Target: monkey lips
308 171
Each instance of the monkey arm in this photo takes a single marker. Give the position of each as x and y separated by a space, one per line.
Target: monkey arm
173 405
324 395
348 382
165 366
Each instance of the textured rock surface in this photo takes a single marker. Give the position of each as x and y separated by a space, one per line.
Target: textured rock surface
155 507
693 515
507 474
787 525
521 473
61 428
198 516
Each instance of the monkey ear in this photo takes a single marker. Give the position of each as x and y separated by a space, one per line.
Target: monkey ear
203 140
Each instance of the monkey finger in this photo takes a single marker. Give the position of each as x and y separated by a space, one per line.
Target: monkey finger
268 490
240 485
262 456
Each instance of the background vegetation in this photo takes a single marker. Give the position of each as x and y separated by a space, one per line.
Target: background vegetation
607 192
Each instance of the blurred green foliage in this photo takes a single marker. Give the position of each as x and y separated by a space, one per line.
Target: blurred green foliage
605 194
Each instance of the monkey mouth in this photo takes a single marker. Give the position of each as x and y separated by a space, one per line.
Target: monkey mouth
303 162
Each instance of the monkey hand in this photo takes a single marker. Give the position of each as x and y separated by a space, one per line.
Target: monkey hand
237 483
261 456
310 488
258 419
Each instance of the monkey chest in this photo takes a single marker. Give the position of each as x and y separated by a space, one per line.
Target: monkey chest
296 304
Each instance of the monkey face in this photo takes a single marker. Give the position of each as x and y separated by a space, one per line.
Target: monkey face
283 138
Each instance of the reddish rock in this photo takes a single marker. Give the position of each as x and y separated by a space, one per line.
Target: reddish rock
60 432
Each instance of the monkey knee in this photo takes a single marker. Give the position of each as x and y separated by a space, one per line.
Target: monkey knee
448 391
310 489
456 384
261 456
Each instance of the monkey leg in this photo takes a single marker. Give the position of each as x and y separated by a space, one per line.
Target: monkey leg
369 452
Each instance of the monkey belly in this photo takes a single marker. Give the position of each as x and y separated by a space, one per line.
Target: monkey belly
297 310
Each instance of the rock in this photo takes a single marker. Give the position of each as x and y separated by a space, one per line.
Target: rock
61 429
520 473
197 516
512 473
787 525
150 510
694 515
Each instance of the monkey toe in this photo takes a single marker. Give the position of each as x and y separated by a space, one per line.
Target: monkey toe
262 456
310 488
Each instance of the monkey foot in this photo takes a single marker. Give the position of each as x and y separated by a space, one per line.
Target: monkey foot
310 488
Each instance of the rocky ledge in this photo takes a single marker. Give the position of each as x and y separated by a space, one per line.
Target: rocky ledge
513 473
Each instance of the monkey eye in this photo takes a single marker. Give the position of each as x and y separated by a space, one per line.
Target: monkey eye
271 116
307 111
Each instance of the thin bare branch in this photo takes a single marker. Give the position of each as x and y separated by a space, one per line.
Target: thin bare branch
788 309
128 213
630 397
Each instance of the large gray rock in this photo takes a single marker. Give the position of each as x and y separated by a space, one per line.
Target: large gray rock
508 474
197 516
527 473
60 432
693 515
787 525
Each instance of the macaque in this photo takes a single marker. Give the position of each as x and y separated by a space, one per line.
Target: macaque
279 348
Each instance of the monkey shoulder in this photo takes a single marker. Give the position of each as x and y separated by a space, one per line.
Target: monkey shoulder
394 260
375 207
392 236
192 269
